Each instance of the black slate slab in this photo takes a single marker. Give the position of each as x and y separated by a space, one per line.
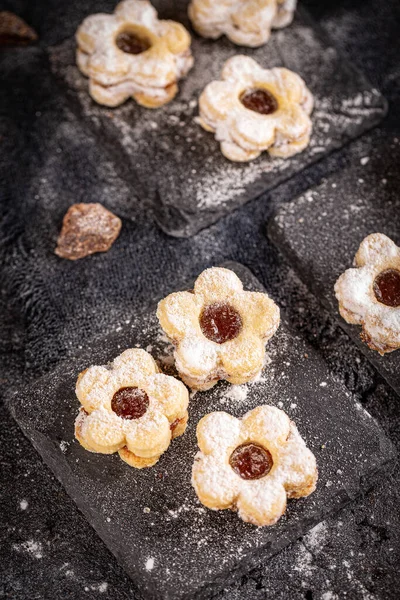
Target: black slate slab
177 167
321 231
151 520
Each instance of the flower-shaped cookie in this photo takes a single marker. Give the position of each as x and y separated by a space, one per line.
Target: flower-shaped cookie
254 109
244 22
131 408
252 464
369 295
133 54
219 330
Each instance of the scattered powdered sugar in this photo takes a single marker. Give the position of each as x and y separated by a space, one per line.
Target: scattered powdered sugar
31 547
64 446
149 564
317 537
304 561
237 393
329 596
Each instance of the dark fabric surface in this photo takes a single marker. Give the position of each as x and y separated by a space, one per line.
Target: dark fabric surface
52 307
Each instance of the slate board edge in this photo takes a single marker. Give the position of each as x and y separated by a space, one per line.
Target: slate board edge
247 562
277 235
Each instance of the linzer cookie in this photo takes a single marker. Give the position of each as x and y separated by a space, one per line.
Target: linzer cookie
87 229
131 408
369 294
252 464
244 22
133 54
251 110
219 330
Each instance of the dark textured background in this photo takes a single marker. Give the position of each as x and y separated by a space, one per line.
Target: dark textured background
47 548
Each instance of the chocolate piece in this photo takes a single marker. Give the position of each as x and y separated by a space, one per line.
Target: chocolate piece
220 322
132 44
130 403
260 101
251 461
387 287
86 229
14 31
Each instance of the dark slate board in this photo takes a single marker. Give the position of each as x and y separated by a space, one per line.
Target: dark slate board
181 172
322 230
197 551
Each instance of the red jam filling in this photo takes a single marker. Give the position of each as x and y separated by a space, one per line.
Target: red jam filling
260 101
387 287
251 461
220 322
132 44
130 403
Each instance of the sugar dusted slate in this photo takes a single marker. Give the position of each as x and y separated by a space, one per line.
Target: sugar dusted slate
151 520
182 173
321 231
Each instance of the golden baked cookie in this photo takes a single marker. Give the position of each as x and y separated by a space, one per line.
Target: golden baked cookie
244 22
219 330
369 294
130 407
252 464
133 54
252 109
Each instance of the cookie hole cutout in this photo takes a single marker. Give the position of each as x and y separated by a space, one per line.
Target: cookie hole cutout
387 287
130 403
220 322
132 43
259 101
251 461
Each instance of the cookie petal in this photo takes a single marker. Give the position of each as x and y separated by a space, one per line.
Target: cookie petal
294 123
178 315
196 356
175 36
374 248
218 433
251 130
353 291
261 502
94 388
101 431
170 395
135 362
215 483
260 314
217 101
296 466
92 29
217 284
243 357
241 68
142 13
148 436
267 425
